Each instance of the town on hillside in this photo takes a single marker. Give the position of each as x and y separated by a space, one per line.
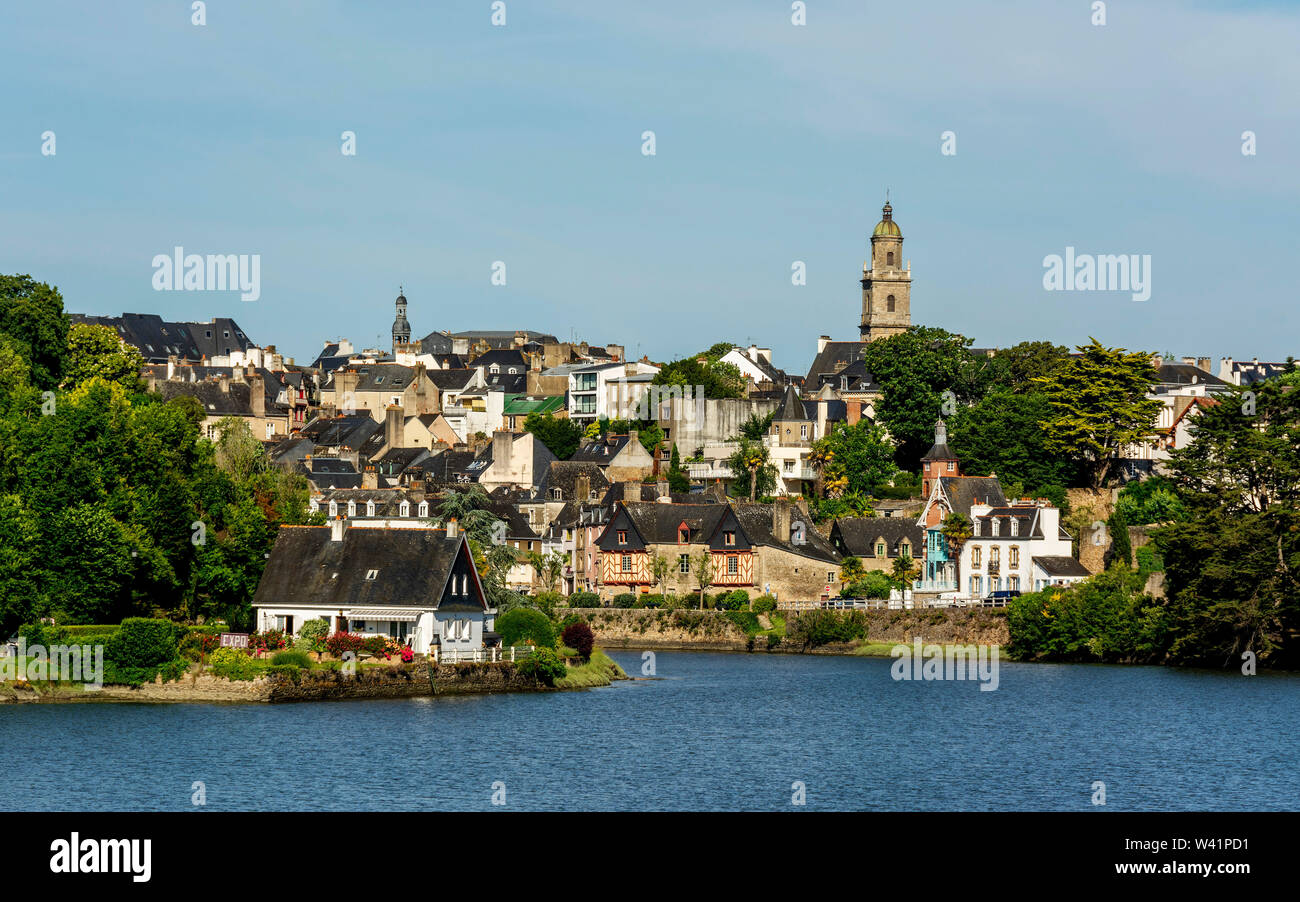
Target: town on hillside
415 491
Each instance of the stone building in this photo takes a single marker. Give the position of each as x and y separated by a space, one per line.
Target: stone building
886 284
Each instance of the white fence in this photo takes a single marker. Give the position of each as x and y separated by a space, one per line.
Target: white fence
890 604
479 655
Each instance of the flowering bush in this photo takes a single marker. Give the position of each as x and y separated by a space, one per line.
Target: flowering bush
269 640
342 642
408 654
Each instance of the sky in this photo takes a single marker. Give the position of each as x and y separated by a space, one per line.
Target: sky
774 143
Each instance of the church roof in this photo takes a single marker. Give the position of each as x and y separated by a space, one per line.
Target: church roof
791 408
887 227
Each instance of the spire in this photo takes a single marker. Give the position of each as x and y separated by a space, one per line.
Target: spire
940 449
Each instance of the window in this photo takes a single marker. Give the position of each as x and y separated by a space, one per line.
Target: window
352 509
370 508
1013 583
729 537
880 549
830 576
975 527
404 509
951 467
626 563
889 302
997 526
334 509
905 549
803 430
424 508
976 584
270 429
683 563
733 564
1015 526
557 494
889 259
995 555
622 537
684 535
314 507
1013 556
359 625
371 574
975 555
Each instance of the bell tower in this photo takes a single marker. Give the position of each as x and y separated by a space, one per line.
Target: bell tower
886 285
401 328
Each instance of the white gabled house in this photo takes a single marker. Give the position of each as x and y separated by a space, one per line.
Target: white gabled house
417 585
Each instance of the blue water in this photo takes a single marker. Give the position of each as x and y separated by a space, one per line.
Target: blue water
713 731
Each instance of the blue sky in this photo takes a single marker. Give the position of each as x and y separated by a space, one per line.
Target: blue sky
775 143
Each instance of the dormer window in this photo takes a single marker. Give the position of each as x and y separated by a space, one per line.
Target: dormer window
405 509
622 537
371 574
1015 526
424 508
557 494
729 537
313 507
975 528
997 527
352 509
684 535
370 508
334 509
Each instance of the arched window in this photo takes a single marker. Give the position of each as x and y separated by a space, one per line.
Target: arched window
997 527
352 509
889 258
334 509
370 508
424 508
889 303
405 509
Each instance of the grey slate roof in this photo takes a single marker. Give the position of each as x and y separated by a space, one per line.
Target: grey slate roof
857 536
1059 565
307 568
964 491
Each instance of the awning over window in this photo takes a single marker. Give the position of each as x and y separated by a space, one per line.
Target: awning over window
384 614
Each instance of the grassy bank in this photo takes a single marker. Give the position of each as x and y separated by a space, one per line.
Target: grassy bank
599 671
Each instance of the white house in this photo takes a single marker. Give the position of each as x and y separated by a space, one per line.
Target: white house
419 586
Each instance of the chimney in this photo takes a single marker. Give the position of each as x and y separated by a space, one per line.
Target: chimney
632 437
453 528
1203 363
370 477
853 412
582 488
336 529
502 444
224 381
256 393
781 520
822 342
393 421
171 367
631 491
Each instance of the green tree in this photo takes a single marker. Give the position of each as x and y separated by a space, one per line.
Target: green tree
914 369
31 315
1099 405
560 435
98 351
1002 434
855 458
702 564
751 473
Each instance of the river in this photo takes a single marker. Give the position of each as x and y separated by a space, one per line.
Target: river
709 732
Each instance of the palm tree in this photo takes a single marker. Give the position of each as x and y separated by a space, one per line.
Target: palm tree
753 461
820 455
956 530
906 570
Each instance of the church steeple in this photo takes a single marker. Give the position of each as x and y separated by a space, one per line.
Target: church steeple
886 285
939 461
401 328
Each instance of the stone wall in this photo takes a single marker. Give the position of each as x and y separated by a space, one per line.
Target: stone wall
712 631
1102 502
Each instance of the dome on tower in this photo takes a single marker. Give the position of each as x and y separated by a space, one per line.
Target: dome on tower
887 228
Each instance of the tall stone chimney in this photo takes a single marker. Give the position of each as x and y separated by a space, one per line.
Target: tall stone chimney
631 491
502 445
822 342
336 529
781 520
393 421
453 528
581 488
256 393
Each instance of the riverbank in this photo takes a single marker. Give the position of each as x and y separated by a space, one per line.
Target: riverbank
653 629
422 678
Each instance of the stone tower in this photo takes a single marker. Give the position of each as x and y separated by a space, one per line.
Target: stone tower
886 285
401 328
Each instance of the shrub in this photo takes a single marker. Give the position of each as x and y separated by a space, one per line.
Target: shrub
650 600
874 585
292 657
142 642
765 604
544 665
268 640
292 671
584 600
341 642
233 664
579 637
734 601
746 620
625 600
196 643
519 625
375 645
813 628
40 634
313 633
546 602
571 619
773 640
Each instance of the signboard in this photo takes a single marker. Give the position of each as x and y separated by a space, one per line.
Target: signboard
234 640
